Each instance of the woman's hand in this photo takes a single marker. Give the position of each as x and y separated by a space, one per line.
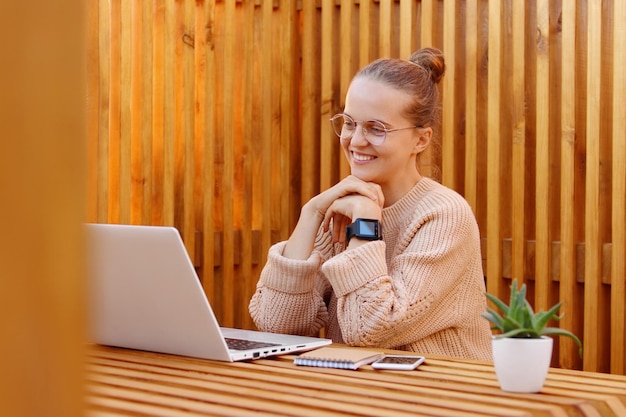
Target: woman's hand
351 185
350 198
345 210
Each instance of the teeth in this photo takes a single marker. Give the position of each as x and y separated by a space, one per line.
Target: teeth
360 157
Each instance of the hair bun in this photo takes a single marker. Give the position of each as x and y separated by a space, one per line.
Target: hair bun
432 60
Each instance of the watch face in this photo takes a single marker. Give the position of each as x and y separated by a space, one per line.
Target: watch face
368 228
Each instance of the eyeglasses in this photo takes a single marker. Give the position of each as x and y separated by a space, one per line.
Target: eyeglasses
374 131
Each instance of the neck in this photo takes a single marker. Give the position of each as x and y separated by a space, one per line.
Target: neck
394 192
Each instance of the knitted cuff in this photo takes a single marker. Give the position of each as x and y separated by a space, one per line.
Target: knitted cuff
293 276
354 268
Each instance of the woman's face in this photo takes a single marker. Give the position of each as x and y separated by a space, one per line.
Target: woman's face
391 164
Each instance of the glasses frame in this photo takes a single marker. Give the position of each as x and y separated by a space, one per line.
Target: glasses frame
364 129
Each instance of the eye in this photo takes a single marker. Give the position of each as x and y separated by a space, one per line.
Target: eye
376 128
349 124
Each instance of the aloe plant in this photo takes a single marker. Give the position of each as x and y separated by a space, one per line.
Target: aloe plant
518 320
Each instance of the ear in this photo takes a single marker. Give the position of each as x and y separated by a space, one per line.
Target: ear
423 136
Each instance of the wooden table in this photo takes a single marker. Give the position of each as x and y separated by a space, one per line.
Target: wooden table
131 383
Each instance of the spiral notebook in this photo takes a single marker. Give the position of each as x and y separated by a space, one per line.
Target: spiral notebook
343 358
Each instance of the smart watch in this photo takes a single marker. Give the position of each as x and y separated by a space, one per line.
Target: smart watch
366 229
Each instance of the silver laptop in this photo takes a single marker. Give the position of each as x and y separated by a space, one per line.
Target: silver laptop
145 294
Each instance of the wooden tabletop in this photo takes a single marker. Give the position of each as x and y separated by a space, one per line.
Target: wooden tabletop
132 383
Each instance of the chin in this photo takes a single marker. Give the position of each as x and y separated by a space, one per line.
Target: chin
363 175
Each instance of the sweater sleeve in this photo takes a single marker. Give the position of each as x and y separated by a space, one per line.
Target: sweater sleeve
289 297
423 291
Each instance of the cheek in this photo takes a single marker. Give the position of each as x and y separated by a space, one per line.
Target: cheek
396 158
344 147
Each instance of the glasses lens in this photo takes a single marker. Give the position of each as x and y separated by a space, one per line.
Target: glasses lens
343 125
374 132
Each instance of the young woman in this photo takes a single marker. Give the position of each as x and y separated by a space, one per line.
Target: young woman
386 257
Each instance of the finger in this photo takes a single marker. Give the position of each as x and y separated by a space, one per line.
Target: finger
326 221
380 197
354 185
336 220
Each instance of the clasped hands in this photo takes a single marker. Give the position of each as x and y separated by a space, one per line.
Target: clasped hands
349 199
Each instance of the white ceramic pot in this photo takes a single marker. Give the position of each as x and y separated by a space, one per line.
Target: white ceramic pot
522 364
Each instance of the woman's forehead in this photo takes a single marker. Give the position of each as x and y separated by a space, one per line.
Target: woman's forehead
372 99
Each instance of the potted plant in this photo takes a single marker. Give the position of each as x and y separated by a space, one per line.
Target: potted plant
523 349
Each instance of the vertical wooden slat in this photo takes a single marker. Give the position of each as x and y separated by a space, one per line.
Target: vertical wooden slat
426 23
348 63
448 131
518 212
481 109
125 112
266 117
278 190
208 221
158 113
593 283
346 51
329 147
568 352
199 122
494 192
136 110
471 102
188 148
198 142
365 32
618 261
311 104
93 105
290 52
384 29
426 161
114 148
244 286
179 118
543 246
406 28
104 74
230 28
146 111
171 56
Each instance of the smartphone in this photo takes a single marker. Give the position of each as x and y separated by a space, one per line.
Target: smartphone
398 362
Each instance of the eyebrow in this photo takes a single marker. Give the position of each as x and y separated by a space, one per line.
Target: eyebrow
370 120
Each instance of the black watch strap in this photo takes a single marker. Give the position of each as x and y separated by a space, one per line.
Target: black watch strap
366 229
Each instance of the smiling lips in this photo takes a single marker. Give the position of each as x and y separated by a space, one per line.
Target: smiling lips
361 157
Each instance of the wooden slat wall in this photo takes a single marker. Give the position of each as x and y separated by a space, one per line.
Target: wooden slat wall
212 116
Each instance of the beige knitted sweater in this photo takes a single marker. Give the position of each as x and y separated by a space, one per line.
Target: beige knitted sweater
420 289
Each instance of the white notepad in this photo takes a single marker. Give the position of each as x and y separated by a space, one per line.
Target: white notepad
343 358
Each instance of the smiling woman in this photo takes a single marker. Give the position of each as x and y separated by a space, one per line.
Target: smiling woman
387 257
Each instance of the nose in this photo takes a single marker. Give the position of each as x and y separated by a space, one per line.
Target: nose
358 138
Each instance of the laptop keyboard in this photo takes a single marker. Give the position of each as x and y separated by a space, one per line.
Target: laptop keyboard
242 344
